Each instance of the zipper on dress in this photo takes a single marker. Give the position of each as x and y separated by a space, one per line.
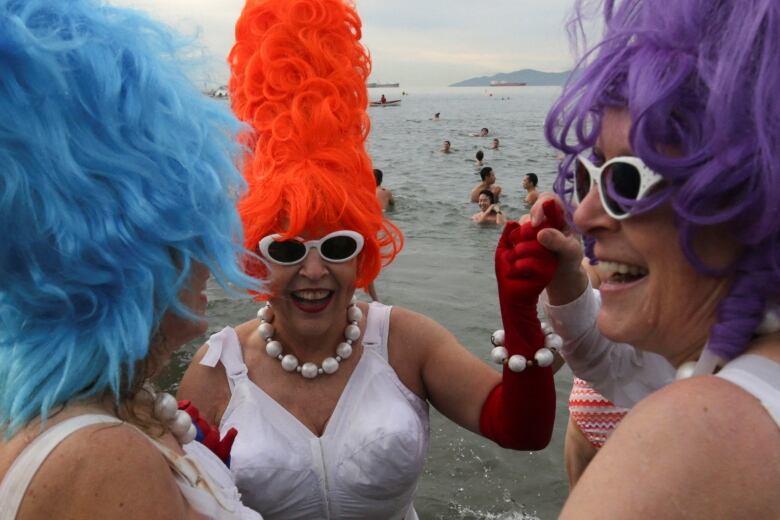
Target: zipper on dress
319 459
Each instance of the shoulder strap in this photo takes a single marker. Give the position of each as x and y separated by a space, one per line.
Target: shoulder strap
195 483
224 346
23 470
377 328
758 376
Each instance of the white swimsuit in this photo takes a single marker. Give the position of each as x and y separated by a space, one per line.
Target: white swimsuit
367 461
758 376
202 478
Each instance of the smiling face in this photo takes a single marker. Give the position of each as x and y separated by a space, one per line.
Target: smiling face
484 202
311 297
652 297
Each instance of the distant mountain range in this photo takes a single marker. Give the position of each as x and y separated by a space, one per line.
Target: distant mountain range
530 77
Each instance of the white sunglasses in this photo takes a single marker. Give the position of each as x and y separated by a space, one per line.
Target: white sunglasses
337 247
627 177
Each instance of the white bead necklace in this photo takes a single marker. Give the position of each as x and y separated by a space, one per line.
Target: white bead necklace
309 370
543 357
166 410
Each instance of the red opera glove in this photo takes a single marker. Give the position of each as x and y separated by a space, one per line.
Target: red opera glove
519 412
209 435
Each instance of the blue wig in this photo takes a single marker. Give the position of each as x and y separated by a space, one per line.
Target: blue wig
116 174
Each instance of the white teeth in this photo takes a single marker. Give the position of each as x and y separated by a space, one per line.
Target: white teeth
616 267
312 295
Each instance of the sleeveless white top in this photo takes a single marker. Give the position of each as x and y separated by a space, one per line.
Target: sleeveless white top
365 464
758 376
202 478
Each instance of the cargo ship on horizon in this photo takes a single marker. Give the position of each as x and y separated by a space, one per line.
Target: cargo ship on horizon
383 85
508 84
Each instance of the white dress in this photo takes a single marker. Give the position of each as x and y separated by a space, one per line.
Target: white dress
365 464
202 478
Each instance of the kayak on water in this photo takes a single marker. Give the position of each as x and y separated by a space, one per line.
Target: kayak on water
389 103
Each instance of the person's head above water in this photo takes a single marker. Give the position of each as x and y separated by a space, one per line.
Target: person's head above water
690 88
530 180
487 174
378 176
480 155
483 132
486 198
303 92
122 176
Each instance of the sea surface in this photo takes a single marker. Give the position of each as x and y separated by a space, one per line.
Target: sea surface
446 272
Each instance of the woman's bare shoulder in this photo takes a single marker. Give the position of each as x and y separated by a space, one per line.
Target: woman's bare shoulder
414 330
703 437
104 471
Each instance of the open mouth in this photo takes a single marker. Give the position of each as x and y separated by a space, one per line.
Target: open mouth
312 300
616 272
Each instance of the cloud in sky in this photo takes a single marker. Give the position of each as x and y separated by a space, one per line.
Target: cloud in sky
415 42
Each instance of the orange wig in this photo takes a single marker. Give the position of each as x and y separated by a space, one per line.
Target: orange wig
298 78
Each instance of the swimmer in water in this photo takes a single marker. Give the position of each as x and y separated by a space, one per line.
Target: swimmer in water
383 195
488 183
489 211
530 180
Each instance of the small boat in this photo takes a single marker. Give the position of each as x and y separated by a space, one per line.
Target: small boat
388 103
219 93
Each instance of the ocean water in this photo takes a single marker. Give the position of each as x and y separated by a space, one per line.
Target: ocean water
446 272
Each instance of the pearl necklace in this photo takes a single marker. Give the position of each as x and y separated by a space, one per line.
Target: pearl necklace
166 410
709 362
544 357
310 370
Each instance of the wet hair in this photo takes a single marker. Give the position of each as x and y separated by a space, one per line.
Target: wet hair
480 155
298 78
378 176
490 195
447 142
484 130
699 78
117 175
533 178
484 172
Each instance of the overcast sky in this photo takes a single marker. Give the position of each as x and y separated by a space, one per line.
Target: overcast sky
418 43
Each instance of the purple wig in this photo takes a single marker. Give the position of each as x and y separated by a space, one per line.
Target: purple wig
701 77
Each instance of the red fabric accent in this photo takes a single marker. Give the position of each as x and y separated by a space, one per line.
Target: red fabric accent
519 412
208 435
